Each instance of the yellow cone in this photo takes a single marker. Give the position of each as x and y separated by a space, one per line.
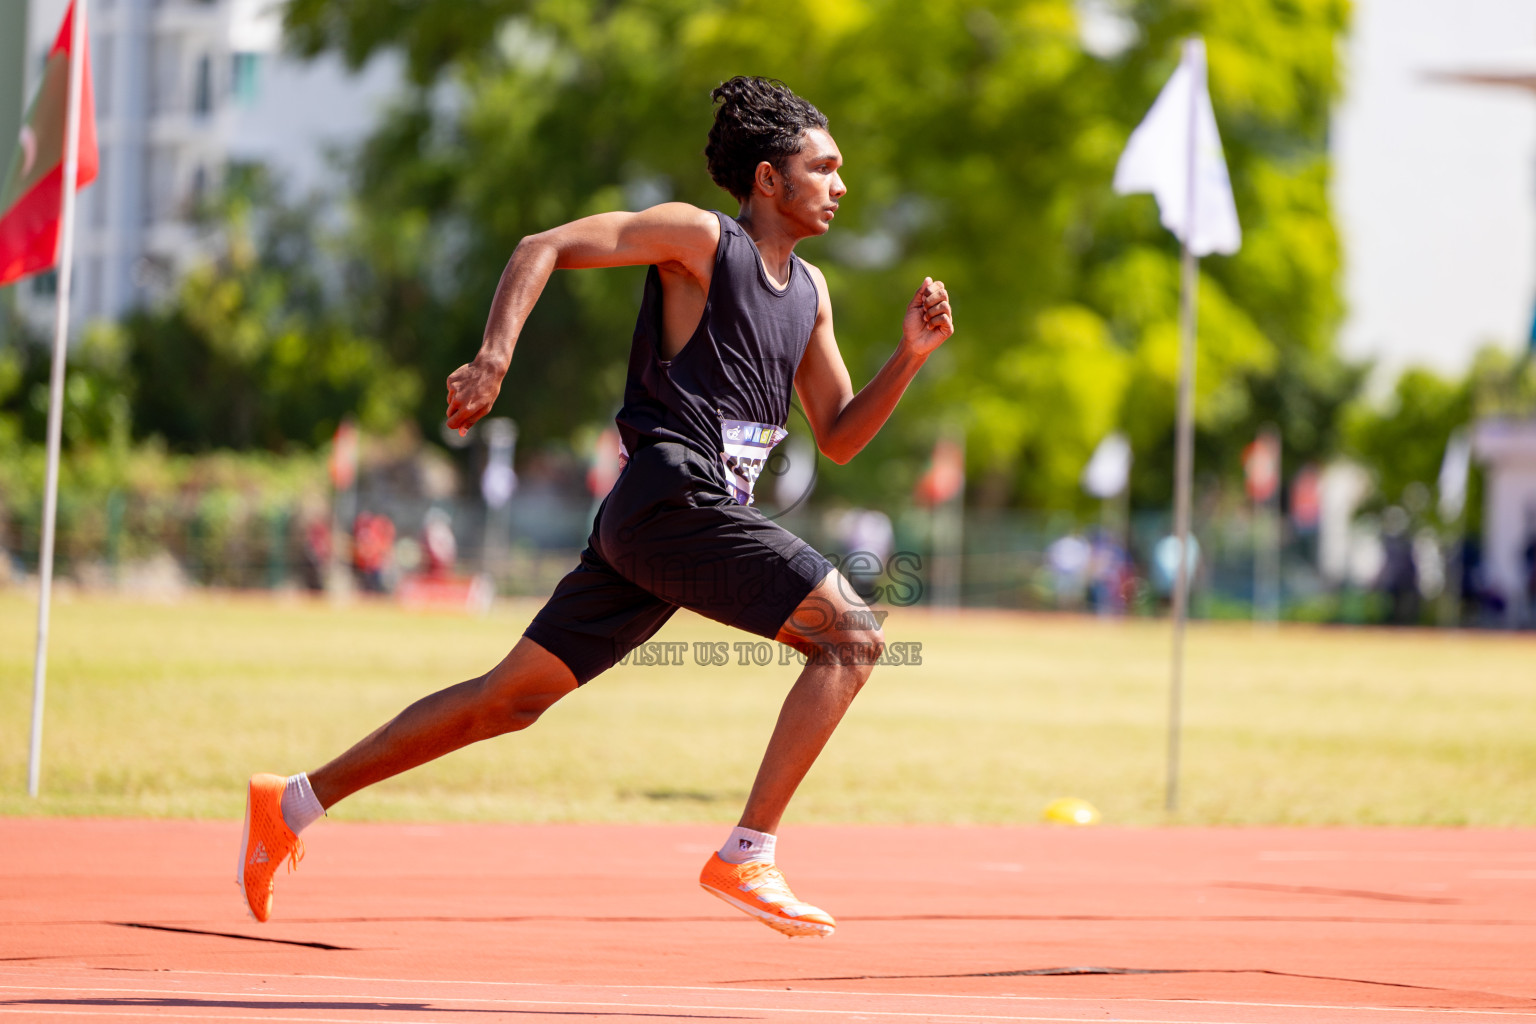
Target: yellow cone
1071 811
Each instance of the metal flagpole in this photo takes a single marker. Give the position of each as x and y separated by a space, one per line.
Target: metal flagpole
56 385
1268 530
1183 470
949 533
1184 456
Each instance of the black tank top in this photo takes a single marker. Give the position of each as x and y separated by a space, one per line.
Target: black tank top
726 394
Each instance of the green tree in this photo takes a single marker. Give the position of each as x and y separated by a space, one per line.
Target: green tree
1403 442
980 141
97 404
1402 439
251 351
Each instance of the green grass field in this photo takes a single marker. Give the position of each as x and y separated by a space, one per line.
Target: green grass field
162 709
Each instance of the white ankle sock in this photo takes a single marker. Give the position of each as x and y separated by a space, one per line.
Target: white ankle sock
300 807
745 846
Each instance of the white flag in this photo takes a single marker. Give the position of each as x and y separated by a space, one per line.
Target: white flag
1109 470
1157 159
1453 475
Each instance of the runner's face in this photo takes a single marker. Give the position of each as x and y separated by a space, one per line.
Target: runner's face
812 186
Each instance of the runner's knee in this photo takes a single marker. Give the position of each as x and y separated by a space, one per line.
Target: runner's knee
856 647
512 698
506 710
833 627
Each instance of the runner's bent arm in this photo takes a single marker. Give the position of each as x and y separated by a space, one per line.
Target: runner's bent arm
681 239
842 421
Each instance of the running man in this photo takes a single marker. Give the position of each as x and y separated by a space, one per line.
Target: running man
730 321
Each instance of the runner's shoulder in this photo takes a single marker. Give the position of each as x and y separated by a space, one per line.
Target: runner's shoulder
817 278
687 223
679 238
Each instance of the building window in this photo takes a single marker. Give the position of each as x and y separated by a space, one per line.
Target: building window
245 82
46 284
102 73
98 191
95 286
165 61
202 96
199 190
159 184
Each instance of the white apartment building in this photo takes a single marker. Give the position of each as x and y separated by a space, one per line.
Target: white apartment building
184 88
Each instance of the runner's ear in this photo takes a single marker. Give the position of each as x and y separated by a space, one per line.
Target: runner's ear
764 178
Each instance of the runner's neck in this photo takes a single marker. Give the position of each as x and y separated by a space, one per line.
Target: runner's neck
774 252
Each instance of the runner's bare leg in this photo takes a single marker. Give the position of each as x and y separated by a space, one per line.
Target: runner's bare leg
509 697
529 680
834 623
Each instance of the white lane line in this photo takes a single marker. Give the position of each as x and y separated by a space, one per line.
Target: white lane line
638 1010
51 1012
727 987
483 1001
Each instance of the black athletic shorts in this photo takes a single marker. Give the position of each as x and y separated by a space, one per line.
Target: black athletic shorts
669 536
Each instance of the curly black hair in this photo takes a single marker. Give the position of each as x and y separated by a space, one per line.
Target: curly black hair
757 119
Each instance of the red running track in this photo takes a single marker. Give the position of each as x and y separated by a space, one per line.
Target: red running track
133 921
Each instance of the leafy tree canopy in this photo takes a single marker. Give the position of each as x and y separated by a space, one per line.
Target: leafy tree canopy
1403 438
251 352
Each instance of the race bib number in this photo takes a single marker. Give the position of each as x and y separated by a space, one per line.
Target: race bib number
744 448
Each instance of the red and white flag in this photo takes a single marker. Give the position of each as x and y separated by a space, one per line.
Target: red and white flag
31 196
1307 498
344 456
945 477
1261 466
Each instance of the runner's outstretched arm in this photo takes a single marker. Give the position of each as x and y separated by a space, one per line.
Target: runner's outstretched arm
679 237
842 421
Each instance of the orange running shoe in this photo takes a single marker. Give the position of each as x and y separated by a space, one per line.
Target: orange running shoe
759 889
267 841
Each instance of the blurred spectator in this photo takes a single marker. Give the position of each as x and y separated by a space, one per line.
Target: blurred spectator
373 544
1109 573
867 539
868 530
1068 558
1481 603
1429 563
1528 557
606 463
1399 579
438 544
1165 564
317 552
